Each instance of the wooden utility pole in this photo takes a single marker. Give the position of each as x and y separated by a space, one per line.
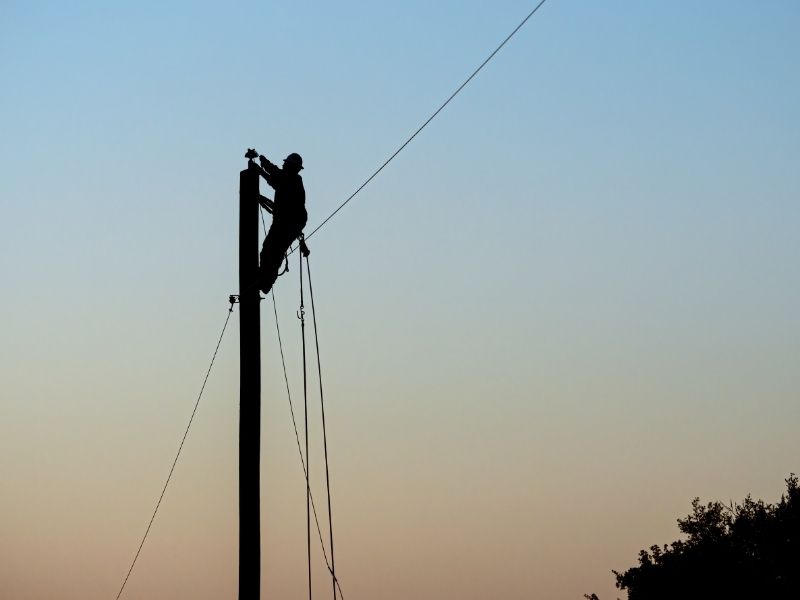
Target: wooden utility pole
249 387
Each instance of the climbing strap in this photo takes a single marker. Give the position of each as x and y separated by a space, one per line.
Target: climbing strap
303 249
286 265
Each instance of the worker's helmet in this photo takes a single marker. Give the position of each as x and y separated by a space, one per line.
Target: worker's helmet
294 159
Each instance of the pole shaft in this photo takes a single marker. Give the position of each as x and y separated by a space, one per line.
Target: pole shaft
249 389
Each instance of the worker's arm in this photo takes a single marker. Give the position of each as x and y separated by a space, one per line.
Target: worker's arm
269 167
269 171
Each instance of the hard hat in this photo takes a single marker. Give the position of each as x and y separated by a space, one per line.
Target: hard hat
294 159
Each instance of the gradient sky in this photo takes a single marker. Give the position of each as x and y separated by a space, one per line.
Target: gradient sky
568 308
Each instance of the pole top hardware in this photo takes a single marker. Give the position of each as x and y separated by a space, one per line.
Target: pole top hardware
251 154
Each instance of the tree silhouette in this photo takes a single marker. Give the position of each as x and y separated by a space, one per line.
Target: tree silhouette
748 550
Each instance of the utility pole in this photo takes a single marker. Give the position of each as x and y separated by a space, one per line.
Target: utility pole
249 386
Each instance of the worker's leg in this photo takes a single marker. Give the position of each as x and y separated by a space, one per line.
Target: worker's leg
275 245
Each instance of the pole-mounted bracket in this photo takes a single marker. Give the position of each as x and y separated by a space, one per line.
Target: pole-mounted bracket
235 299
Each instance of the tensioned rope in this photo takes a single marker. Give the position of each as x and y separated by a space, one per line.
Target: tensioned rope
427 121
177 455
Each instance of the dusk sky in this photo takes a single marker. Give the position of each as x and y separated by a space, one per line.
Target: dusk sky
566 309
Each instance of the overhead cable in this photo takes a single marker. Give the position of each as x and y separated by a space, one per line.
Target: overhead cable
425 124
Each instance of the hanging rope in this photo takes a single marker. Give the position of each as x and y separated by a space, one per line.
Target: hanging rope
299 446
332 567
301 315
180 447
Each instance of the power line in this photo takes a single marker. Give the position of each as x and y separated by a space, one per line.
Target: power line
425 124
175 462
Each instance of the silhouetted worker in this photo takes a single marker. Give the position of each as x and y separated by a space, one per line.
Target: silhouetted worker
288 215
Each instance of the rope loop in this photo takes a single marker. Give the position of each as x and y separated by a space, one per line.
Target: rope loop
303 247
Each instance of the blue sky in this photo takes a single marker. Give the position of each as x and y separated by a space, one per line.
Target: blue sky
566 309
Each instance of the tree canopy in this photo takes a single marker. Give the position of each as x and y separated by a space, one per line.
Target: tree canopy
748 550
